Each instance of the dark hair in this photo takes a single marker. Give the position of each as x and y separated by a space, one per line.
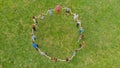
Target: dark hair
33 17
76 50
80 45
67 59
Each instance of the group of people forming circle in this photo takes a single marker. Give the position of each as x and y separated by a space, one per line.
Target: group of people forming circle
78 25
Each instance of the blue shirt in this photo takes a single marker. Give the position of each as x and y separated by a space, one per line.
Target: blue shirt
81 30
35 45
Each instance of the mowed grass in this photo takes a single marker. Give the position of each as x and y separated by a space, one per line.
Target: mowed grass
57 35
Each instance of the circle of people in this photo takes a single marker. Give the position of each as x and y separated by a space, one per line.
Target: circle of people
78 25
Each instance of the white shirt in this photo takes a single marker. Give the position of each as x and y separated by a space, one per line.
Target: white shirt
75 16
34 20
42 53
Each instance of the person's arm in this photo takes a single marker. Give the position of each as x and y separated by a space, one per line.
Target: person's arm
47 12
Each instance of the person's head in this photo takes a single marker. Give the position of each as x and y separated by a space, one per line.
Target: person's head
67 59
33 17
76 50
80 45
82 36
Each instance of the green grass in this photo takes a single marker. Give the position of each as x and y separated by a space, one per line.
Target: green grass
100 20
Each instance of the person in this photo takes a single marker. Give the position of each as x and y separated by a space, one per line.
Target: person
35 20
35 45
68 10
49 11
42 53
80 37
82 44
75 17
75 52
58 8
67 60
33 37
42 16
81 30
54 59
78 23
33 28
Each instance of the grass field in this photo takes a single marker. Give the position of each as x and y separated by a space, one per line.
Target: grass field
57 35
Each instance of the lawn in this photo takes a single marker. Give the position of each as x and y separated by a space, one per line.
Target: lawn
57 35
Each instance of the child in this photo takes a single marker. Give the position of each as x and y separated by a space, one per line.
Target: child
67 60
35 20
75 52
33 37
78 23
81 30
49 11
42 16
80 37
75 17
35 45
81 45
68 10
58 8
33 28
54 59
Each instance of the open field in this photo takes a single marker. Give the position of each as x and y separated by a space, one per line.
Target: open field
57 35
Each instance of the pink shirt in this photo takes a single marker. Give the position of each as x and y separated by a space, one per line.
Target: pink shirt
58 7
